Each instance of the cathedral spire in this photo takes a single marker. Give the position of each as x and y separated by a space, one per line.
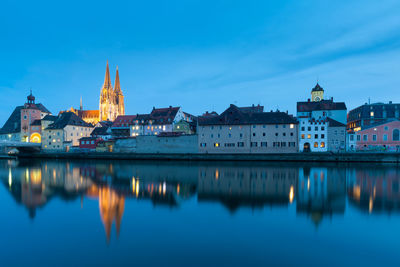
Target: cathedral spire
117 86
107 80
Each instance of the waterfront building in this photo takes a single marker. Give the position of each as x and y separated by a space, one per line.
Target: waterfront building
243 130
383 136
370 114
102 130
322 123
65 132
160 120
19 126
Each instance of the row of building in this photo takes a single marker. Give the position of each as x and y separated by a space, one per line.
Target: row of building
320 125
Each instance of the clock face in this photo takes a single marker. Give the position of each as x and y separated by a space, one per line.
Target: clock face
317 99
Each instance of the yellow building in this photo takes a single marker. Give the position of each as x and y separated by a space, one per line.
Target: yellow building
317 93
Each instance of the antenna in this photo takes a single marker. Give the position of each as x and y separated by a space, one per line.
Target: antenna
81 106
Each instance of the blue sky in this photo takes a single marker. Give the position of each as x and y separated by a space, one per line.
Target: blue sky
201 55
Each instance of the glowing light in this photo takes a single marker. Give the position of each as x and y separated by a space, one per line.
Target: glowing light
137 188
35 138
9 177
216 174
291 126
371 204
308 184
291 194
178 189
164 188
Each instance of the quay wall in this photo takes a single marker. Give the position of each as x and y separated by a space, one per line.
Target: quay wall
289 157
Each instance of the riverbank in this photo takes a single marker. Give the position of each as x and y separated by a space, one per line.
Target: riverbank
294 157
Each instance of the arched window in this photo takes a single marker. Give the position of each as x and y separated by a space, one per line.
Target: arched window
396 135
322 144
316 144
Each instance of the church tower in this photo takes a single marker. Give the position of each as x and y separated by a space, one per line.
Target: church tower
119 97
107 99
317 93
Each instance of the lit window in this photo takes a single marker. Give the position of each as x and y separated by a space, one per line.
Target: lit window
291 126
372 113
308 136
302 136
216 144
322 144
316 144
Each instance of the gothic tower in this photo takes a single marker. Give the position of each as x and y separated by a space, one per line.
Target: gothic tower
107 99
317 93
119 97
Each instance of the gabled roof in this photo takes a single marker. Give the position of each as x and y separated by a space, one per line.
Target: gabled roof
50 118
321 105
317 88
379 124
334 123
235 116
68 118
163 115
13 124
99 131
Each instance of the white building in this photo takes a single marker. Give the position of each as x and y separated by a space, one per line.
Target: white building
322 123
65 132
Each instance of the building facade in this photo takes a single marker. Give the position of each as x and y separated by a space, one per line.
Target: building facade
239 131
65 132
321 123
370 114
384 137
19 126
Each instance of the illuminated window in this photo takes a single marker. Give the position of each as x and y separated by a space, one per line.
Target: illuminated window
216 144
291 126
322 144
316 144
302 136
308 136
372 113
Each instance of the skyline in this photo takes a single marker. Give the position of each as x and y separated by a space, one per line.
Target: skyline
218 52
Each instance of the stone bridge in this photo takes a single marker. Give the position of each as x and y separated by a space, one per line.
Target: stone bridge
23 147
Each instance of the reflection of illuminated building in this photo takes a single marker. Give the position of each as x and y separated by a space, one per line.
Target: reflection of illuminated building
375 190
253 186
321 191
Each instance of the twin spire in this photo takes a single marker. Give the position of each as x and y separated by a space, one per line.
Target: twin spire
107 81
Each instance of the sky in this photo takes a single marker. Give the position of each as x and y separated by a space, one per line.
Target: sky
201 55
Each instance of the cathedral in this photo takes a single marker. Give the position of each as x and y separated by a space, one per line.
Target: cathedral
111 102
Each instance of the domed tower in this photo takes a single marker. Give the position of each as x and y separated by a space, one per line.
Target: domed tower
317 93
119 97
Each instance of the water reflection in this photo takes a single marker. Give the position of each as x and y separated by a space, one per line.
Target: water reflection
316 192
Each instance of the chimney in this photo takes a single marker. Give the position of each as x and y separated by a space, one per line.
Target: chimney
331 98
308 100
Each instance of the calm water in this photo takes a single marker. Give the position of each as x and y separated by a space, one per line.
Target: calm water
198 214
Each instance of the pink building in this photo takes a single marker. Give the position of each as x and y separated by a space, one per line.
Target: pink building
382 137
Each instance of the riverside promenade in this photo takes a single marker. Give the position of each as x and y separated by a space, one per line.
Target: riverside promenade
289 157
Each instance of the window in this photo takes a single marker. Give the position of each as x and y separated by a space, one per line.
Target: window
351 137
284 134
276 134
303 128
292 144
276 126
302 136
218 135
316 145
229 144
396 135
371 113
374 137
92 142
253 144
263 134
254 134
283 144
385 137
291 134
365 137
229 135
284 126
308 136
309 128
25 117
240 144
216 144
316 128
386 128
322 136
240 135
291 126
316 136
212 136
263 126
322 128
264 144
322 144
203 144
276 144
254 126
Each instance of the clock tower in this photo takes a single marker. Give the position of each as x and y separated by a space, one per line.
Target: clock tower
317 93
